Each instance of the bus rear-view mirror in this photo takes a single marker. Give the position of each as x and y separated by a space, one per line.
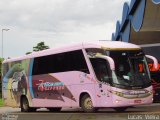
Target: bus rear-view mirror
155 61
109 59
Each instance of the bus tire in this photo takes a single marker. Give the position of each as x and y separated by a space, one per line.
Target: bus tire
120 109
87 104
56 109
32 109
25 105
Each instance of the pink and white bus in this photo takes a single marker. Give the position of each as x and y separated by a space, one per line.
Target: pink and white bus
87 75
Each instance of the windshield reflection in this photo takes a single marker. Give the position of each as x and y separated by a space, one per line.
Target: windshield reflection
130 69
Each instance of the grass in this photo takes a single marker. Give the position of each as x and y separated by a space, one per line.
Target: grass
1 102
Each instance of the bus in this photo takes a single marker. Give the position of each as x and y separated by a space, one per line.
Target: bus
155 73
86 75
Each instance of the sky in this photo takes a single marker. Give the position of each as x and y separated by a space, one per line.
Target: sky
55 22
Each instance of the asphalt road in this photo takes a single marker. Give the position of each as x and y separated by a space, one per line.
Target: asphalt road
147 112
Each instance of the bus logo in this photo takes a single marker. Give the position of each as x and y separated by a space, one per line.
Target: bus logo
48 86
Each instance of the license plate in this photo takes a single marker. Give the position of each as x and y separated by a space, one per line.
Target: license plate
137 101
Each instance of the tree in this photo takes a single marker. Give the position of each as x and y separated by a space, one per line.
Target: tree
28 53
40 46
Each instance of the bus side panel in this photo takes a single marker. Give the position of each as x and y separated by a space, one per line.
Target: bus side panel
82 83
15 82
52 91
61 89
85 83
103 95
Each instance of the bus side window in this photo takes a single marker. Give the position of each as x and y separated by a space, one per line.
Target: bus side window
78 62
101 68
62 62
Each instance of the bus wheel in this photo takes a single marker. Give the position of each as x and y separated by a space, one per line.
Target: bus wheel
86 104
25 105
54 109
32 109
120 109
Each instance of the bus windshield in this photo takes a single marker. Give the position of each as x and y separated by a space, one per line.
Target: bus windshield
131 69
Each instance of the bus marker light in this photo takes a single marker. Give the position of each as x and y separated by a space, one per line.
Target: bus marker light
117 101
152 99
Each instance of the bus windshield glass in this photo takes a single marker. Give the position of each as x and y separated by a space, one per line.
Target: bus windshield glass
131 69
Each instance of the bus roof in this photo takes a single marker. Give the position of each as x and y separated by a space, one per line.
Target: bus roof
108 45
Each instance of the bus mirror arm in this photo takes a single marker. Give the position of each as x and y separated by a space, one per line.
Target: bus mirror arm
155 61
109 59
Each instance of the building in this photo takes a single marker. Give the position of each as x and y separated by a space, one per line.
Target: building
140 25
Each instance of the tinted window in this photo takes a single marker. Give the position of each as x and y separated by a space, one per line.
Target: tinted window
101 69
68 61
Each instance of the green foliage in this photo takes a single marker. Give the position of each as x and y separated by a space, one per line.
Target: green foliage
1 103
40 46
1 60
28 53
